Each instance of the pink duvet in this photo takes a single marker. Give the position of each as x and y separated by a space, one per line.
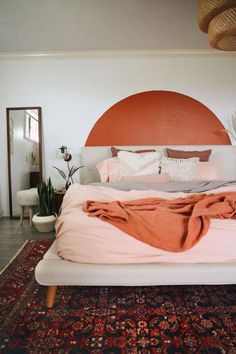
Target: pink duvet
81 238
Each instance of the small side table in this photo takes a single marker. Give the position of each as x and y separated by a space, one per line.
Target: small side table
59 194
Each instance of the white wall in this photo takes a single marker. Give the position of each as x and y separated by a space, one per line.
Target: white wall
75 91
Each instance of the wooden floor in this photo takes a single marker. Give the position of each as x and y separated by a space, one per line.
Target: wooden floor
13 236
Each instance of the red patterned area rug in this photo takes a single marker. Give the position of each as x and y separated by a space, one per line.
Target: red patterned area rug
137 320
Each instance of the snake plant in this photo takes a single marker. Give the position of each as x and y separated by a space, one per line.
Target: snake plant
46 198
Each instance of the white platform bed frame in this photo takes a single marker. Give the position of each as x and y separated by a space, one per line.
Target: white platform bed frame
52 271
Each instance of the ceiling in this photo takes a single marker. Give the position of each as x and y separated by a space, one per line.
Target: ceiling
84 25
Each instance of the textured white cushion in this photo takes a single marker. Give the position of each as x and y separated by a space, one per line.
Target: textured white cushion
180 169
132 164
27 197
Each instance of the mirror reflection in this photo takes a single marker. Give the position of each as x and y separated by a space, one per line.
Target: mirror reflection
24 152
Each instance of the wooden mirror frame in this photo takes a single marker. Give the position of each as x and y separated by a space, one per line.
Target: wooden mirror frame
8 110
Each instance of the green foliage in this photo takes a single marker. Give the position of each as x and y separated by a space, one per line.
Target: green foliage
46 199
69 176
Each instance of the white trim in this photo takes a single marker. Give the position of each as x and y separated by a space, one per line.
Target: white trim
117 53
5 213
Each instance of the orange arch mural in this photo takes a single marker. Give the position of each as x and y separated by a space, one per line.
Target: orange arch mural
158 118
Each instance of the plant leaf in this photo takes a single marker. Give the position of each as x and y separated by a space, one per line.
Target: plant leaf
62 173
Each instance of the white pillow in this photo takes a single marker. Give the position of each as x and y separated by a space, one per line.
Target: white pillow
132 164
180 169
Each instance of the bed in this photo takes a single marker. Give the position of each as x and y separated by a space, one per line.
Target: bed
54 270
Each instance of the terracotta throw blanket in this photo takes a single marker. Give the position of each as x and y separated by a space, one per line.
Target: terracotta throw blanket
173 225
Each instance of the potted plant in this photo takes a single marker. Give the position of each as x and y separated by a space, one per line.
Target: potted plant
45 218
67 176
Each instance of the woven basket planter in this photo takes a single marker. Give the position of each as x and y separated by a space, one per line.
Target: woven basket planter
222 30
208 9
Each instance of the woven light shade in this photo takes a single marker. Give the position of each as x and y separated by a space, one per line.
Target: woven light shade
208 9
218 19
222 30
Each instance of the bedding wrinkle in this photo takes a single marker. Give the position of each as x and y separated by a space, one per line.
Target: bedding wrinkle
107 210
174 225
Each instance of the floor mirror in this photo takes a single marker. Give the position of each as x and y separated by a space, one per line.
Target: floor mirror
24 142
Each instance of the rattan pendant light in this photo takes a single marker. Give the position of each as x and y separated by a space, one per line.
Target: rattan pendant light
218 19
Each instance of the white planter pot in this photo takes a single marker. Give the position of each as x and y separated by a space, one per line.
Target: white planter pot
44 223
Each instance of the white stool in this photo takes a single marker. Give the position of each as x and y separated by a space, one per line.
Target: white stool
27 198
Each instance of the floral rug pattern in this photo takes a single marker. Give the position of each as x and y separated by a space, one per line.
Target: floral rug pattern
112 320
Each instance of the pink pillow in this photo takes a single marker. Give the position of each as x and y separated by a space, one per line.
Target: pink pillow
109 169
208 171
161 178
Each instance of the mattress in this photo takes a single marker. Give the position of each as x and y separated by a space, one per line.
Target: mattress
83 239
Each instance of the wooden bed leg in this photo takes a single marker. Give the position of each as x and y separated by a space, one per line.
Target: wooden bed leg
51 294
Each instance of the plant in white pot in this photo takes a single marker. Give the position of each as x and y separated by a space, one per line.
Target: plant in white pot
45 218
